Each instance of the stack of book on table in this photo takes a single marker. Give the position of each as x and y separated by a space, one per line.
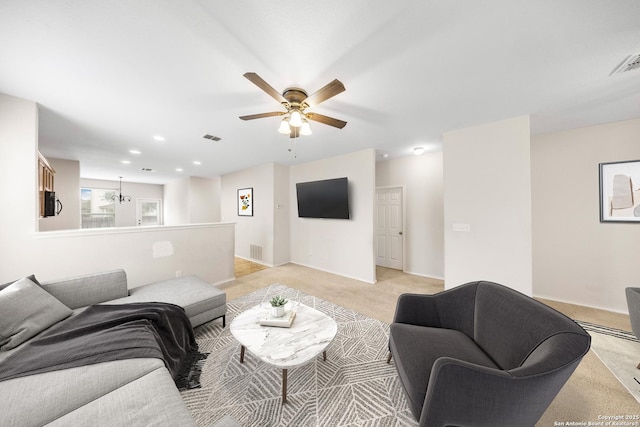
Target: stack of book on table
281 322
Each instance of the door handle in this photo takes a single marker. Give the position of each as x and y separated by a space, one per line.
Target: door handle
400 233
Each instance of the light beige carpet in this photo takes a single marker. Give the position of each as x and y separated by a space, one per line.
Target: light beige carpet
590 392
353 387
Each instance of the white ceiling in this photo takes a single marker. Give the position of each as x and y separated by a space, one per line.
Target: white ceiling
111 74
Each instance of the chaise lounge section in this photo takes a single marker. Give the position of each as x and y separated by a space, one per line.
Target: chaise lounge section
132 392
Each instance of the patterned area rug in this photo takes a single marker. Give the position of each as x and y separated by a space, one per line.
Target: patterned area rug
354 387
620 352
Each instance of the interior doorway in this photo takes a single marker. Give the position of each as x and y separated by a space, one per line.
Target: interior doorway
148 211
389 228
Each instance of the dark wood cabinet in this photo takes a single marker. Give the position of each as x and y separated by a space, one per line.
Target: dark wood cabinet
45 181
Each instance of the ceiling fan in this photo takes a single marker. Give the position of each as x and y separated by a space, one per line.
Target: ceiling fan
296 102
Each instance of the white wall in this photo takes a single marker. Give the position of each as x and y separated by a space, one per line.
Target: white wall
259 228
421 178
487 185
575 257
342 247
204 200
19 175
126 211
281 215
191 200
67 188
145 254
176 202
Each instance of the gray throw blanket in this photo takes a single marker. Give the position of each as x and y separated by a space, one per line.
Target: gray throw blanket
105 333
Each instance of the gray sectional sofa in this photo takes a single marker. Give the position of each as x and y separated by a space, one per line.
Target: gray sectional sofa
482 354
131 392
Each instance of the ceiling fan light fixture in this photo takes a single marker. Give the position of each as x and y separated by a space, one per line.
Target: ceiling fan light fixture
296 119
284 127
296 101
305 129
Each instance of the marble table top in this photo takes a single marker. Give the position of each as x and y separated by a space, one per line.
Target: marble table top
308 336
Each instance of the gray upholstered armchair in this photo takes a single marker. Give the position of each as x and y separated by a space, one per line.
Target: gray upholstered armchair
482 354
633 302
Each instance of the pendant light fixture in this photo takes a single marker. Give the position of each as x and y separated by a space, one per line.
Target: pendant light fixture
120 197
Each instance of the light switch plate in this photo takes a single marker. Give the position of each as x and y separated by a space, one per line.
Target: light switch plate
462 227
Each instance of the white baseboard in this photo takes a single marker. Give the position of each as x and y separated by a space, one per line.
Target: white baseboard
428 276
333 272
613 310
222 282
254 260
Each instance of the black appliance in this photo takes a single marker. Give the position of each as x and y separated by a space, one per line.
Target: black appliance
328 198
52 205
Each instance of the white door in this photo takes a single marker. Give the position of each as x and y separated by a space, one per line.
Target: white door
149 211
389 233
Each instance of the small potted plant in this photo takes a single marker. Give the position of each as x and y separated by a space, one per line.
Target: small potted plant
277 306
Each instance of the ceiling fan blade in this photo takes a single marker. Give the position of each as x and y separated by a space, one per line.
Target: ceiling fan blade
326 120
258 81
261 115
328 91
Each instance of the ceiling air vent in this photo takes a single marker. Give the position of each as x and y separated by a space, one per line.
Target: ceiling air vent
147 170
211 137
632 62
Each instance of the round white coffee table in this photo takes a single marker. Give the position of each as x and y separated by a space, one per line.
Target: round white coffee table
285 348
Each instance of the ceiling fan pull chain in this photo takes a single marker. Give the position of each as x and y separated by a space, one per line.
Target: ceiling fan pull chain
292 147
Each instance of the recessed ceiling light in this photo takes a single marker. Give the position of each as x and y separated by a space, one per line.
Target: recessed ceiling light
385 155
126 162
135 152
418 151
179 169
195 162
159 138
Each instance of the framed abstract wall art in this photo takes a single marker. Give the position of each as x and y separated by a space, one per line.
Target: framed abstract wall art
620 191
245 202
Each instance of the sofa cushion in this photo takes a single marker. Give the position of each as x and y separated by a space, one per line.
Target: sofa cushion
81 291
31 277
26 310
148 401
39 399
189 292
416 348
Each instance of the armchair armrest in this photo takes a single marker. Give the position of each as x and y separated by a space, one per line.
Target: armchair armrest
451 309
417 309
633 303
462 393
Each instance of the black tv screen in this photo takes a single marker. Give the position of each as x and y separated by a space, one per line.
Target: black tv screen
323 199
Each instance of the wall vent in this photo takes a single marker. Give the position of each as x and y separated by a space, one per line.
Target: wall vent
211 137
255 252
632 62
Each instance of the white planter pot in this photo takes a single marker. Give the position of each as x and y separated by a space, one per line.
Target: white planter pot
277 311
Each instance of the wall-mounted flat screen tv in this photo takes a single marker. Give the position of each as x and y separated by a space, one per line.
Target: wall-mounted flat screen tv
328 198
